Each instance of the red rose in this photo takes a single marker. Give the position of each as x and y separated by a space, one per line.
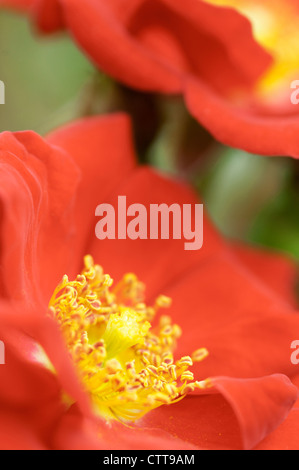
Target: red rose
224 299
266 122
203 51
157 45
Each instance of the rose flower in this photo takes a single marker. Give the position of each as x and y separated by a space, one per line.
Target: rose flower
99 364
232 60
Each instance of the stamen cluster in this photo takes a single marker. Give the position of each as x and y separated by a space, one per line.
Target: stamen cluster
125 365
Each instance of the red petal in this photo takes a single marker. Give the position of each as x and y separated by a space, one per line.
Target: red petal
75 432
31 404
25 383
156 262
102 148
49 15
154 45
110 46
241 416
24 324
235 126
236 39
277 271
247 329
36 195
15 434
260 404
30 394
38 187
285 437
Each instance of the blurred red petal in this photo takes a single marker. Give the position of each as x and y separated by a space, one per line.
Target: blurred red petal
15 434
49 15
153 45
111 46
279 272
235 126
160 42
236 37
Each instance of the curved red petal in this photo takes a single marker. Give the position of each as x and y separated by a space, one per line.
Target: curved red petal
285 437
30 394
238 416
26 329
160 40
237 36
37 192
259 404
109 45
234 126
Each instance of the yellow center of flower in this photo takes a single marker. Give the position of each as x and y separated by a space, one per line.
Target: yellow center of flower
276 27
125 364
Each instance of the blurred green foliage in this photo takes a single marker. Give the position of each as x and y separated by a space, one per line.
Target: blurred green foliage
254 198
42 77
49 82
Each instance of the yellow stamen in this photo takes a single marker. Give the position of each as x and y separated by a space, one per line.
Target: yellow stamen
125 365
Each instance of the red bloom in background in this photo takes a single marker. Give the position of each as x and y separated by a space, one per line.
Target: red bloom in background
156 45
203 51
223 299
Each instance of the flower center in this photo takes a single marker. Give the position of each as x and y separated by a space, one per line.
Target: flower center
275 27
125 364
